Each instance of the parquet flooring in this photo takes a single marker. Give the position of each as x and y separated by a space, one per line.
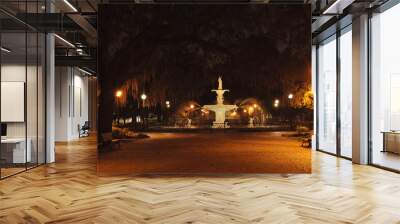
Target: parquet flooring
69 191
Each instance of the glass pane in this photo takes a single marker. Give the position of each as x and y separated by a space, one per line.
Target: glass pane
346 94
386 89
41 98
327 96
13 86
31 97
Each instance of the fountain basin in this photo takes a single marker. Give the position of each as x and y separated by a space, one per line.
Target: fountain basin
220 114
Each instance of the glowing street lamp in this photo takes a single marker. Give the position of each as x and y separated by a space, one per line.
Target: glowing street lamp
143 97
251 109
290 96
118 93
276 101
191 106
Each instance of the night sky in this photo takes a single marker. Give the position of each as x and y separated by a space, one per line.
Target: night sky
177 52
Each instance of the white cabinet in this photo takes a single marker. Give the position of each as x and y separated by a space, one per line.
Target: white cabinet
17 146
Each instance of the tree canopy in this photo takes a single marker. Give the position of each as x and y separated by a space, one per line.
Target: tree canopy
176 52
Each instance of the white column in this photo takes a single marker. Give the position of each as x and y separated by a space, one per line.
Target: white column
360 90
314 90
62 103
50 110
50 92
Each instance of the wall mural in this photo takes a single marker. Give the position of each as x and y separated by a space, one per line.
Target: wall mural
204 88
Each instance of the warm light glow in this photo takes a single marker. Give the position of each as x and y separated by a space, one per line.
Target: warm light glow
143 96
168 106
233 113
251 109
255 105
276 105
290 96
191 106
276 101
118 93
167 102
245 110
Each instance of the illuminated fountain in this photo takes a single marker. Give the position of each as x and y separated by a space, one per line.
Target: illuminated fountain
220 108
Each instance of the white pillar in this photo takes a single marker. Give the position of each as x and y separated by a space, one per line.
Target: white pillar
314 90
50 93
360 90
50 110
63 99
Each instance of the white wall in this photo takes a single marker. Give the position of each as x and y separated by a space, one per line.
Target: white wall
33 127
71 102
11 73
16 73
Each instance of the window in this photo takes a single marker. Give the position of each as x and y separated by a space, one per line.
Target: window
385 89
346 93
22 78
327 95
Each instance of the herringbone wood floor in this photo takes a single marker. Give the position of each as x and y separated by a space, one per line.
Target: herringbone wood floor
69 191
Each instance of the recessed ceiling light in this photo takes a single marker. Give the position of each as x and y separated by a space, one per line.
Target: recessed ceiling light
84 71
337 7
5 50
64 40
70 5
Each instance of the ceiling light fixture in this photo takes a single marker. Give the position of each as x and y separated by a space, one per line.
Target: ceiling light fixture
84 71
337 7
70 5
64 40
5 50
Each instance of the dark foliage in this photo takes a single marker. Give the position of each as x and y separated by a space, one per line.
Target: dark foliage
176 52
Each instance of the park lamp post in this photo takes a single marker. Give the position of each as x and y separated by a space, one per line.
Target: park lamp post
290 110
118 95
143 97
290 98
251 110
276 103
191 106
167 105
